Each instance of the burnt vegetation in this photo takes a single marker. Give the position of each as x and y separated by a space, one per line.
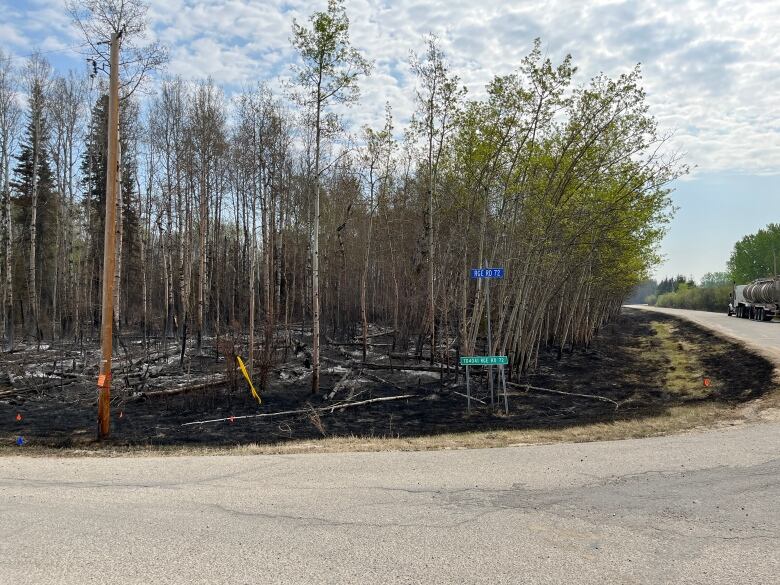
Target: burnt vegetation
336 263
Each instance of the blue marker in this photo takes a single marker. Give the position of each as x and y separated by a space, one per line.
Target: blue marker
19 441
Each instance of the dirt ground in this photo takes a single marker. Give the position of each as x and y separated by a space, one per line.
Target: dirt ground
641 365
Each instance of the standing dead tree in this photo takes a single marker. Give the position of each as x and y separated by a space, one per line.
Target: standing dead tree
328 73
438 98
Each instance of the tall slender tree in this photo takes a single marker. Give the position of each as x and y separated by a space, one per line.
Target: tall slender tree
438 97
328 72
10 115
34 180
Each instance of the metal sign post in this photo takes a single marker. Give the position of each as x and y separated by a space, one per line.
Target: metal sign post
480 274
503 383
489 342
485 360
468 390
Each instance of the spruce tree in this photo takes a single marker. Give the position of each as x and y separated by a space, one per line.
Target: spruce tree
35 206
93 168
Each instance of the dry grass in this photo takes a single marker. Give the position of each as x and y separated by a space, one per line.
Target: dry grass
685 374
675 420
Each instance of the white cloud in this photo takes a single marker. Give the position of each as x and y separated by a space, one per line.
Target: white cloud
11 36
710 67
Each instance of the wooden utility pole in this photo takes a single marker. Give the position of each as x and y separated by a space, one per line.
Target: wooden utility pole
109 254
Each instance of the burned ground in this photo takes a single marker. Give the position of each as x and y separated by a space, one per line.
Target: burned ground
640 365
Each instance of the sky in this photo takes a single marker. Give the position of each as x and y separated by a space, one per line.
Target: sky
711 70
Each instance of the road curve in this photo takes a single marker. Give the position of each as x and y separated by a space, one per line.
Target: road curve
761 337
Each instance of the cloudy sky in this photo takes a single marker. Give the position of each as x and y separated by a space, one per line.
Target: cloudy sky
711 70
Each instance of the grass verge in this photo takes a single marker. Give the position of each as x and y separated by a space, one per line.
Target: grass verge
677 419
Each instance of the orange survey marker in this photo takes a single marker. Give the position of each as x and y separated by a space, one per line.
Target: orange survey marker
246 375
706 381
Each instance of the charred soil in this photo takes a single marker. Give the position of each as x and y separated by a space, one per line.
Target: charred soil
641 365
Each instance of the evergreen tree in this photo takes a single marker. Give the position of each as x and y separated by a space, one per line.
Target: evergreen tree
93 169
36 197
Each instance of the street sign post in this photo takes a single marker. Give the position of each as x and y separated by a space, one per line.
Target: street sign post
488 361
488 273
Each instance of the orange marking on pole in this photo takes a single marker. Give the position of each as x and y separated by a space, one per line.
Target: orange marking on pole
18 416
102 380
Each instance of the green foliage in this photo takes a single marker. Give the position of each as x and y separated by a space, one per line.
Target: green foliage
331 65
705 298
680 293
756 255
564 186
36 137
713 279
670 284
93 168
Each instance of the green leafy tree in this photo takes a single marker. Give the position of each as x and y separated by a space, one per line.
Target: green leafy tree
713 279
93 169
36 198
756 255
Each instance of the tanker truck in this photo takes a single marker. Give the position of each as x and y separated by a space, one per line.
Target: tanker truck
759 300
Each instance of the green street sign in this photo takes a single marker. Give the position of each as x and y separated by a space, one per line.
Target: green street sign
484 360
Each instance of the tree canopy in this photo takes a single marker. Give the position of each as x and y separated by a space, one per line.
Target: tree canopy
756 255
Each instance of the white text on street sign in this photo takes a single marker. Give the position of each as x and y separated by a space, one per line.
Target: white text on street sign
487 273
484 360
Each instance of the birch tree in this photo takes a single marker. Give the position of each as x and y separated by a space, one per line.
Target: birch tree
34 170
329 70
10 115
438 98
376 163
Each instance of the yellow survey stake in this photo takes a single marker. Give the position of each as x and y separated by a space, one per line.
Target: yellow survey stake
246 375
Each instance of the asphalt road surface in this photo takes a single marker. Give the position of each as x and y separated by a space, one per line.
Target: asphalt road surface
693 508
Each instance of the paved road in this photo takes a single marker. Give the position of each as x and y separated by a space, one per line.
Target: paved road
694 508
763 337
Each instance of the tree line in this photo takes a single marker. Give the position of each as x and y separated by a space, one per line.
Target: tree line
259 214
754 256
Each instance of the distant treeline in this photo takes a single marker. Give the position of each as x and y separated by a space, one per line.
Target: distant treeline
754 256
680 292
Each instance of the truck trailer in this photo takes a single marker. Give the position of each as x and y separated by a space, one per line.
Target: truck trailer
759 300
